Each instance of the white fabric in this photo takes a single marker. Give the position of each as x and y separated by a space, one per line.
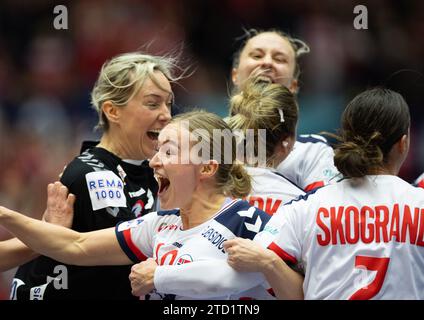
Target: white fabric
337 257
161 236
270 190
311 162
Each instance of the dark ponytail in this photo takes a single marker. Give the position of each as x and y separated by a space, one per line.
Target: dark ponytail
371 124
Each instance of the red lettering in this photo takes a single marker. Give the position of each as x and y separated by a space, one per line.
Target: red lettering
352 239
337 225
408 224
320 223
420 241
381 224
394 225
257 202
271 210
368 226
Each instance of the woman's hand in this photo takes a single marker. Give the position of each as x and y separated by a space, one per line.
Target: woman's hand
247 256
142 276
60 205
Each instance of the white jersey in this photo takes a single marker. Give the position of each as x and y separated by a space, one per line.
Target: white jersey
270 189
310 164
356 240
420 181
160 235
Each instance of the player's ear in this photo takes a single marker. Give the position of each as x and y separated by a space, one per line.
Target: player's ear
208 170
111 111
234 76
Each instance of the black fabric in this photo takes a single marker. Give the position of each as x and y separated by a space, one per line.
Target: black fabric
103 282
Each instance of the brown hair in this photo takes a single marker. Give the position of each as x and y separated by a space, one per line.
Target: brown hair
371 124
268 106
231 178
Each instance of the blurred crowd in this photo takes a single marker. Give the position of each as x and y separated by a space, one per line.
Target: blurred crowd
46 74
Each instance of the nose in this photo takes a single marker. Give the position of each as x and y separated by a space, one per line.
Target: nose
266 61
155 162
165 114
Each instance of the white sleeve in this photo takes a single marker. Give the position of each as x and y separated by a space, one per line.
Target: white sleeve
204 279
136 237
283 233
319 166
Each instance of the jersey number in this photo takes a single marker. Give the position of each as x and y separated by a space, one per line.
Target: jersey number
374 264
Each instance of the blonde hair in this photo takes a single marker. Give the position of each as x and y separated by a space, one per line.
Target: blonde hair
268 106
231 178
122 77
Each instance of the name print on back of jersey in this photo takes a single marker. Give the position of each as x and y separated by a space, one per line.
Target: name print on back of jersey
381 223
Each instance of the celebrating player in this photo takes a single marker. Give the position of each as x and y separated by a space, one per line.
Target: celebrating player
361 238
111 179
200 187
266 113
273 57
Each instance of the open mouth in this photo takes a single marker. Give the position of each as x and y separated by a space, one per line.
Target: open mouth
163 184
153 134
265 78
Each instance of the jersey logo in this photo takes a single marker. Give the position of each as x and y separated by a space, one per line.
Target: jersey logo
185 258
106 189
254 227
129 224
112 211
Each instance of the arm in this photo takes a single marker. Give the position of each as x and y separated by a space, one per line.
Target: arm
85 249
189 279
68 246
247 256
14 253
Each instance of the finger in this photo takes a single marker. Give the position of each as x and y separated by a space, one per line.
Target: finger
71 200
228 244
63 191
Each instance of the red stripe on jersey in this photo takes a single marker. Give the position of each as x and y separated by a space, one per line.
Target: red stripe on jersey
314 185
281 253
132 246
421 183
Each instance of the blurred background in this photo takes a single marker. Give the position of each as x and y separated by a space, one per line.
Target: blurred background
46 74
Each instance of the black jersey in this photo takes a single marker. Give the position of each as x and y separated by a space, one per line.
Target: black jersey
108 190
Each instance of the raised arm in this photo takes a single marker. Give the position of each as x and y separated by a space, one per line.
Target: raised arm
86 249
14 253
248 256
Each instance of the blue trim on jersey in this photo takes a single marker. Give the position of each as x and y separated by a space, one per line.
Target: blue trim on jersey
288 180
124 246
233 221
175 212
304 196
309 138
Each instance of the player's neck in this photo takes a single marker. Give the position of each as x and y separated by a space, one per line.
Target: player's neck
116 146
204 206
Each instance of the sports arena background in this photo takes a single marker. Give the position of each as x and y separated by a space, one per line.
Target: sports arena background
46 74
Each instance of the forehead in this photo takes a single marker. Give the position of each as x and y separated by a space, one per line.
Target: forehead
171 133
159 84
269 41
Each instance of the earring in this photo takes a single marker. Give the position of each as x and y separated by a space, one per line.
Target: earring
285 144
